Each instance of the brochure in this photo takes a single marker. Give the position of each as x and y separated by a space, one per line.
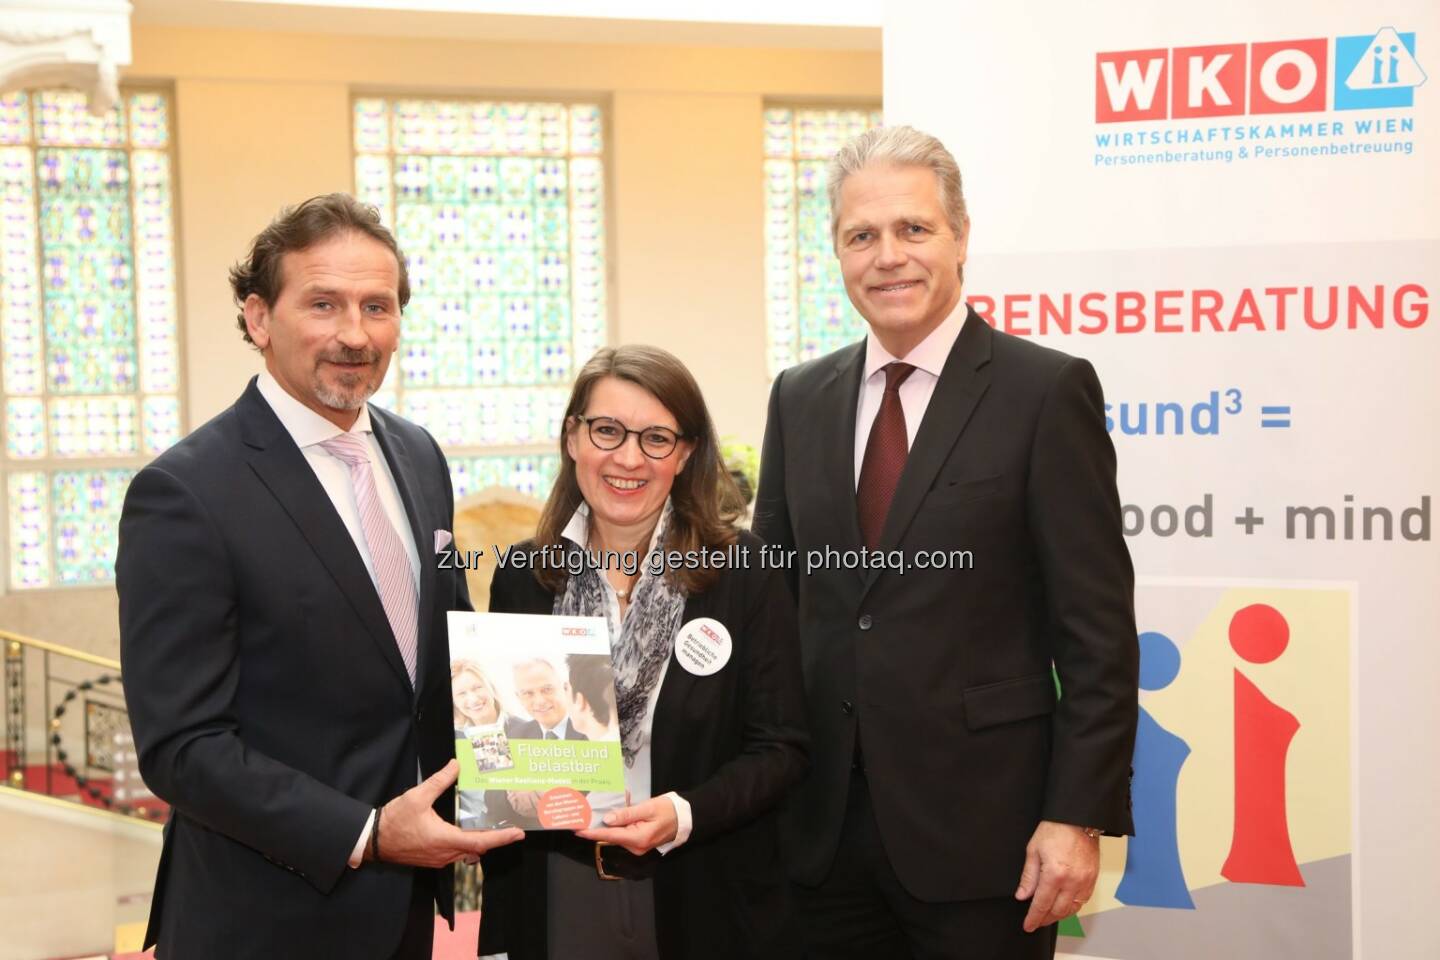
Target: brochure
536 732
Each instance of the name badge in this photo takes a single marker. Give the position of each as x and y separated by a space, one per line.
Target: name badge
703 646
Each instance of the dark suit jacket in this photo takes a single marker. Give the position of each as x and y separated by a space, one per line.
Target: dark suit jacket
732 744
945 675
270 705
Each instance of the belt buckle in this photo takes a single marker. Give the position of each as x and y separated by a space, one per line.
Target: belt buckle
600 846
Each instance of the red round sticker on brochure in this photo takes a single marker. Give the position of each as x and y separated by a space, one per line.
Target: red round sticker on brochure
561 808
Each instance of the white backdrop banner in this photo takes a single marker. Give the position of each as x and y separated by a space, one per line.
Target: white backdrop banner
1233 211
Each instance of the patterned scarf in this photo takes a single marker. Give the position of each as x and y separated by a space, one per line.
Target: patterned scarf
641 644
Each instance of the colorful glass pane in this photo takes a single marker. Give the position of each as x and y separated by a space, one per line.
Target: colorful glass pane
24 428
372 126
20 296
532 475
463 128
94 426
28 502
63 119
779 134
154 282
487 416
807 311
149 120
14 117
819 133
88 271
161 423
586 139
85 507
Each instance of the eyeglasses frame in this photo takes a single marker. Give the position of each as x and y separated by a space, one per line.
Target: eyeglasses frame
587 421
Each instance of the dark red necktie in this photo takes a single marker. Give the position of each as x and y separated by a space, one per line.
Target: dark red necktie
885 454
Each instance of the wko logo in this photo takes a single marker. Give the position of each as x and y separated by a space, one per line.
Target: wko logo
1283 76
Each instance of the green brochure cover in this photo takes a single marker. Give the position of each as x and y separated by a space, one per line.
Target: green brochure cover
536 750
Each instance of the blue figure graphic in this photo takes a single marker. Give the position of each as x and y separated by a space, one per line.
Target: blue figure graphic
1394 64
1153 875
1375 74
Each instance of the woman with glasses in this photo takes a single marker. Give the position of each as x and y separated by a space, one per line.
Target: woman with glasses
691 867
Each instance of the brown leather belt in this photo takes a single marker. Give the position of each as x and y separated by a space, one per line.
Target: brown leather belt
610 862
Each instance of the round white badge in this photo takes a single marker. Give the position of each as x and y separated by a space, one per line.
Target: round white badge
703 646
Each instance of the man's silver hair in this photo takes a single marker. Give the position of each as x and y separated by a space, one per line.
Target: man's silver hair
899 147
537 662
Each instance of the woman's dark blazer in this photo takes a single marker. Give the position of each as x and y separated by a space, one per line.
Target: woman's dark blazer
733 744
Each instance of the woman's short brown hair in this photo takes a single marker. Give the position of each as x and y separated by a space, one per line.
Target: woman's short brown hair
299 228
705 501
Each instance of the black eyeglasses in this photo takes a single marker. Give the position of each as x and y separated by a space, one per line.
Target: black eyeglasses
607 433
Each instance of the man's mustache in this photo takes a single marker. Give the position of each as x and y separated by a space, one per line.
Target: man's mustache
352 356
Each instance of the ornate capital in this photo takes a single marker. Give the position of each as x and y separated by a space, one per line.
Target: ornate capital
67 43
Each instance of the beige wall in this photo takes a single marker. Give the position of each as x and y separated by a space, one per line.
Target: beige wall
689 253
69 876
263 120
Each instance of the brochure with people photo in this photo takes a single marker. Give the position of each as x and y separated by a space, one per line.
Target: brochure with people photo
536 730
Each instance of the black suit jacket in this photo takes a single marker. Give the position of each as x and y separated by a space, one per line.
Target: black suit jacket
269 701
732 744
945 675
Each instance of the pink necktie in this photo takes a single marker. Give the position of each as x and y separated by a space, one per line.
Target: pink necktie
885 454
393 572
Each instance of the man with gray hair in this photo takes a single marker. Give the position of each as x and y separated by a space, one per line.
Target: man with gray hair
546 697
954 805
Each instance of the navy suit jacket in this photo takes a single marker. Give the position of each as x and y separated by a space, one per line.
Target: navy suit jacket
270 705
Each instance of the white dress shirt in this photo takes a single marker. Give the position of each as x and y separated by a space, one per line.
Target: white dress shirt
308 429
560 730
637 775
928 358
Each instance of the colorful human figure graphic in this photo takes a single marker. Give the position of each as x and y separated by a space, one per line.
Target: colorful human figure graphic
1260 849
1378 76
1153 875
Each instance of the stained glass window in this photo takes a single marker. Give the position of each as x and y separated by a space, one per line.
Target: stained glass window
500 210
531 475
807 312
87 322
